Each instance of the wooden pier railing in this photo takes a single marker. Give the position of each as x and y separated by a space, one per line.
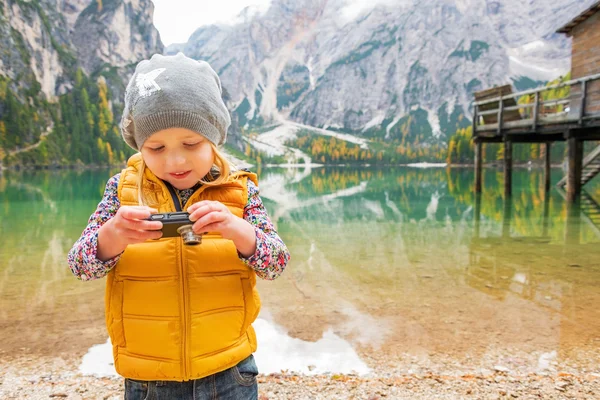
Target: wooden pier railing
497 111
531 116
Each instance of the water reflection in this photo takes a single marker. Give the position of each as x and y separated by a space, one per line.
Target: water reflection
41 214
277 352
448 273
405 267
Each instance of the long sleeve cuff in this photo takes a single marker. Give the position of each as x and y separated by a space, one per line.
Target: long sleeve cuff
84 262
270 258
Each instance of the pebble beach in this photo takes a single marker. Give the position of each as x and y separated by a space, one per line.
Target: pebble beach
57 378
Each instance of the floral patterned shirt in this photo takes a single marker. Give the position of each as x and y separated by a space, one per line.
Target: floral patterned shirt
268 261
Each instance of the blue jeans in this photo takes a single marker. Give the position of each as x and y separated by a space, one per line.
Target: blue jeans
235 383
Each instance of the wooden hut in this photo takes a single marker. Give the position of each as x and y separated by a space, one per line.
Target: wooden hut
497 118
584 30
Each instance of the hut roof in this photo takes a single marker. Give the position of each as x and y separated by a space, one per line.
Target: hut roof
567 28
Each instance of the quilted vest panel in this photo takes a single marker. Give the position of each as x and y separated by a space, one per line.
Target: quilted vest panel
177 312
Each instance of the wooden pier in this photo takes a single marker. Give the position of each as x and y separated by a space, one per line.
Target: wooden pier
500 116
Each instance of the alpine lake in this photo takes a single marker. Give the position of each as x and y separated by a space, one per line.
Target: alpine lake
394 270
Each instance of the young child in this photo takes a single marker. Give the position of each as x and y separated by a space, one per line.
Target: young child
179 317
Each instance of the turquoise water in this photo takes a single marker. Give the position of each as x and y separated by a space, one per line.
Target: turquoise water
392 260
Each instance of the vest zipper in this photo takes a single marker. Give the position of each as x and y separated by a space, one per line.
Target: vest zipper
186 321
184 316
184 295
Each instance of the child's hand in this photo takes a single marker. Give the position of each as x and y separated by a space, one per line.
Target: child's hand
212 216
128 226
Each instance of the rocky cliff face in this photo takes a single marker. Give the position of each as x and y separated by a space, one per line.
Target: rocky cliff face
371 68
44 42
63 69
29 42
115 33
52 38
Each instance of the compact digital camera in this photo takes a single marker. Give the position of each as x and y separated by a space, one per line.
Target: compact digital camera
176 224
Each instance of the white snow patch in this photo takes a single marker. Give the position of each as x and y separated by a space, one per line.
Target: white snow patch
427 165
377 120
391 125
274 65
273 144
266 148
450 105
434 122
292 165
277 351
363 143
311 76
250 113
279 135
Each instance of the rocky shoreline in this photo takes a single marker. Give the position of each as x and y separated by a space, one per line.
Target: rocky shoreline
56 378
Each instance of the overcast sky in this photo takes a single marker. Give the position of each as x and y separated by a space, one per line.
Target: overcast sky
176 20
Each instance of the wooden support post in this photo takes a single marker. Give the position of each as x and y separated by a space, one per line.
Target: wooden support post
582 109
547 170
507 168
478 163
477 214
573 223
546 214
506 217
575 157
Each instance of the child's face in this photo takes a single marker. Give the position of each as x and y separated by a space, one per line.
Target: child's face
178 156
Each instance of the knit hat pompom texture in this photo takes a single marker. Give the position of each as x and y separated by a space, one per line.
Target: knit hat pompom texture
174 92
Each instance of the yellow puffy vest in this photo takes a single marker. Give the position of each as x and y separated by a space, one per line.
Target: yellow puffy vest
176 312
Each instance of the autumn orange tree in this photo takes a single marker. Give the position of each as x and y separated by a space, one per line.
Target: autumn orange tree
331 150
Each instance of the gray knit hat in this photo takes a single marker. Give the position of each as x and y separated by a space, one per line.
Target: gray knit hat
174 92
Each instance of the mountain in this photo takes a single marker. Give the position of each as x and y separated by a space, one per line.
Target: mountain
400 72
64 65
394 70
52 38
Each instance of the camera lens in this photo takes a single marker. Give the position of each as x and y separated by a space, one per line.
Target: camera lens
189 237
